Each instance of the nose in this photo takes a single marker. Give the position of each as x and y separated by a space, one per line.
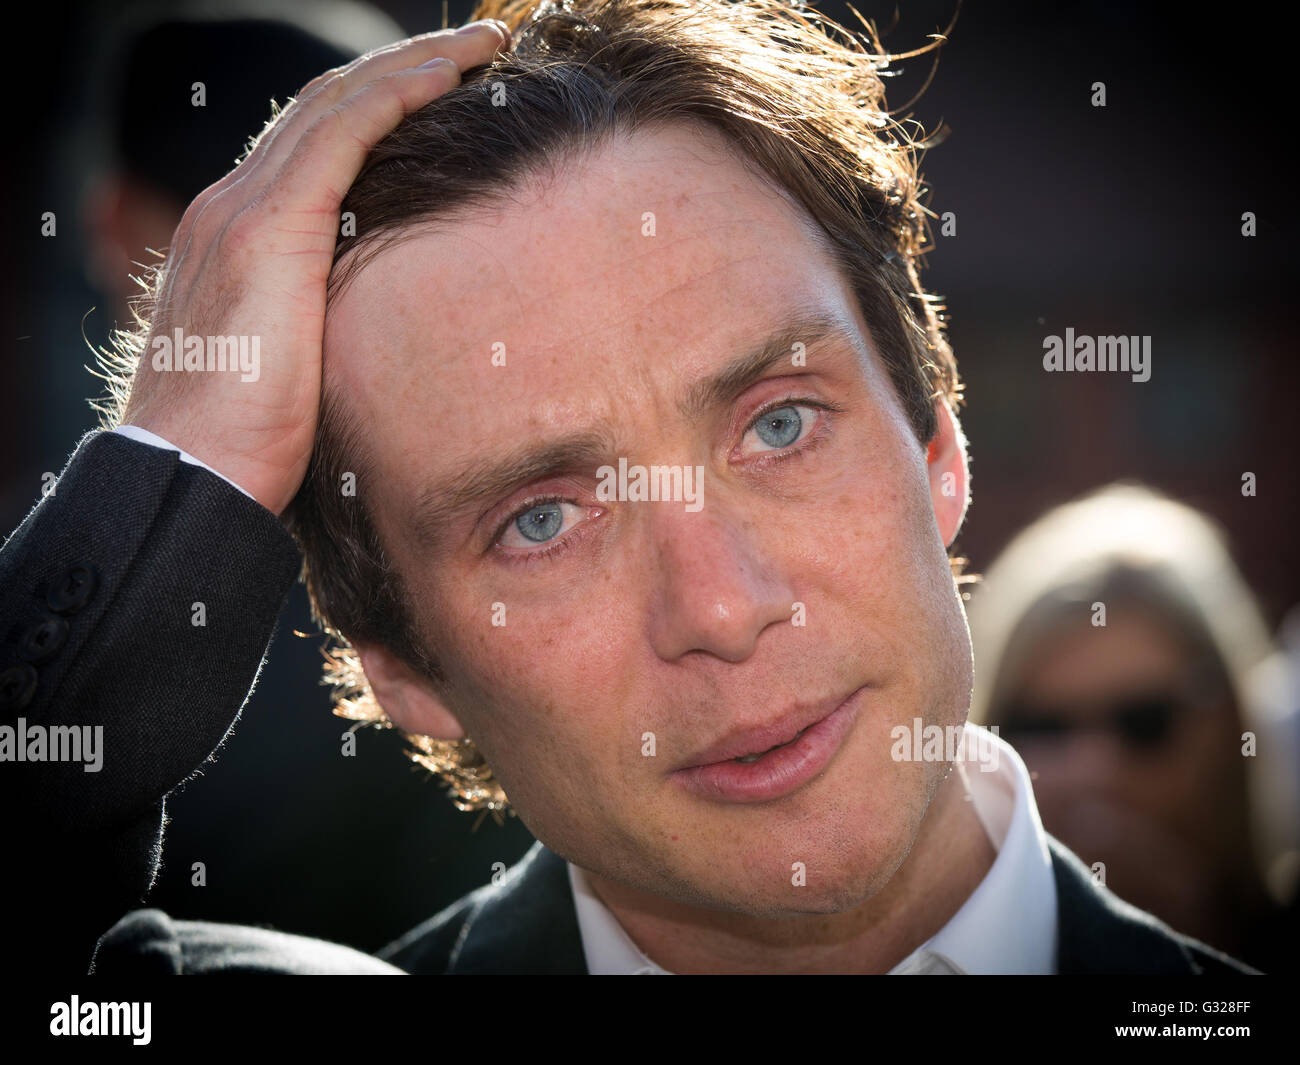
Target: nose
717 587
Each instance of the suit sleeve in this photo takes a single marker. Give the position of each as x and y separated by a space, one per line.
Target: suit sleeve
137 600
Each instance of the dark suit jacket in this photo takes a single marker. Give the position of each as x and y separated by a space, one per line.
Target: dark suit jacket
527 924
97 594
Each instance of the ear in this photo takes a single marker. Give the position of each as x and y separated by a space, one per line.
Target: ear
406 696
949 470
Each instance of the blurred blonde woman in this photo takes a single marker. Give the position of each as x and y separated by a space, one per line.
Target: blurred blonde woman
1114 642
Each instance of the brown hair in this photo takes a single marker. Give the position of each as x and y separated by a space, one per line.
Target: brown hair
797 94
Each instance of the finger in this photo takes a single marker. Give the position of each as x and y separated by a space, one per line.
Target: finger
468 47
416 50
471 45
327 158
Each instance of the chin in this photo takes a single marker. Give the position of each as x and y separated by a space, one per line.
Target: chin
822 894
852 874
845 861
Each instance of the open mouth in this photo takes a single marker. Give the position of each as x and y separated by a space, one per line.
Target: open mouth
774 772
746 759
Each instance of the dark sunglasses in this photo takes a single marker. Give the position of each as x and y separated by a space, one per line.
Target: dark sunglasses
1144 723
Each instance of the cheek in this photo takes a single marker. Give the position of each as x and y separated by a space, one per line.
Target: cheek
1203 772
882 565
883 814
538 688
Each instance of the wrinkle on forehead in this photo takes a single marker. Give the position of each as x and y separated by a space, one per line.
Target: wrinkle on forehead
562 276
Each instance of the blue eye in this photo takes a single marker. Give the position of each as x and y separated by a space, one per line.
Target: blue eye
540 523
792 428
544 522
779 428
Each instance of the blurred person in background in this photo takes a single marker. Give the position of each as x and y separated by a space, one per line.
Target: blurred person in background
1115 640
1273 693
180 89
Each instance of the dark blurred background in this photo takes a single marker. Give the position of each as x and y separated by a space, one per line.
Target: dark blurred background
1124 219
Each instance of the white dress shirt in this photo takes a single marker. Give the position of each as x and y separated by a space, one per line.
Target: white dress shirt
1007 925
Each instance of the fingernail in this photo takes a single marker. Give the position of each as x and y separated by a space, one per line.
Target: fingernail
437 61
471 27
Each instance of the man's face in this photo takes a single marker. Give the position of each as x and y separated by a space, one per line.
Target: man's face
596 648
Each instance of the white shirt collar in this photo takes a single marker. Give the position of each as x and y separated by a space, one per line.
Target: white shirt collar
1007 925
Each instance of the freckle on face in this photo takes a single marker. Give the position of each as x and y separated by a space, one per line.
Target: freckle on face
601 322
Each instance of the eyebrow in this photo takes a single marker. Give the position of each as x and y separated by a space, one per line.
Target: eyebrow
810 329
441 502
492 477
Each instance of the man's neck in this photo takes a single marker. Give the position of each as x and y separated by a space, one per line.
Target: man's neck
950 857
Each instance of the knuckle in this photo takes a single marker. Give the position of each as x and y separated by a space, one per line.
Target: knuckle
327 125
211 218
332 122
319 80
199 216
333 89
319 92
241 234
196 208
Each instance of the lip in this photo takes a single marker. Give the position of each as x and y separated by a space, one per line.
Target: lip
797 760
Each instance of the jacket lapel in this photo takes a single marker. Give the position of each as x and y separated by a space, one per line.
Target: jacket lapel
527 925
1098 932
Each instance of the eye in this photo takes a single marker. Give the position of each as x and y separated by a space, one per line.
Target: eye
541 523
779 427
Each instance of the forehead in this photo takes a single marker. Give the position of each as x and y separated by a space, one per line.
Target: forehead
595 292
